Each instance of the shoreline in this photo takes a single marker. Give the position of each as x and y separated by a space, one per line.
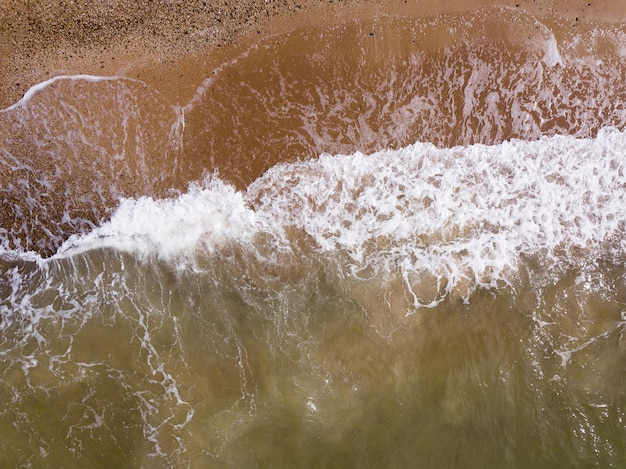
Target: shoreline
183 41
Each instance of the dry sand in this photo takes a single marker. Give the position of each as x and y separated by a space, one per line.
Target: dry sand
173 44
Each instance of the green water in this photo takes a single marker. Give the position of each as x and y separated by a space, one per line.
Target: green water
108 361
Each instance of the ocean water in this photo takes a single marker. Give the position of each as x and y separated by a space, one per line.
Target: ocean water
394 243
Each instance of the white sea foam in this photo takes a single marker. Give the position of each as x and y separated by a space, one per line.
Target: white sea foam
465 215
552 56
172 228
32 91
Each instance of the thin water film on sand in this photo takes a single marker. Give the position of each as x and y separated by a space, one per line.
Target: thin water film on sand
386 243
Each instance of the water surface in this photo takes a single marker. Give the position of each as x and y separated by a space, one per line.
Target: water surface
393 243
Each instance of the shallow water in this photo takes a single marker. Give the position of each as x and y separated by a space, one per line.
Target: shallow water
388 303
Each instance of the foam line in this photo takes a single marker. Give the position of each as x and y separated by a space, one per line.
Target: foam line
32 91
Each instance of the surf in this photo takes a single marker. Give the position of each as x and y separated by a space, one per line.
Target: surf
387 242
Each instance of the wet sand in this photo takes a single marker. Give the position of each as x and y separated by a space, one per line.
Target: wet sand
173 45
295 80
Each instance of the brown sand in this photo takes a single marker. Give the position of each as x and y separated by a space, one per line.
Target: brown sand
232 128
173 44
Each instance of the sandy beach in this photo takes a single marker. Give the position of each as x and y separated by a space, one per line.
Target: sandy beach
312 233
173 45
